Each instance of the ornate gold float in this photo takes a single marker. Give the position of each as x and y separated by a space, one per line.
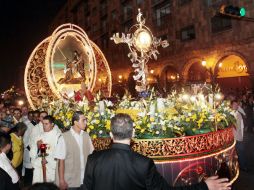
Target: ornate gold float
54 58
187 160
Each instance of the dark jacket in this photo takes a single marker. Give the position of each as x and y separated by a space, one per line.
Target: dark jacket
6 182
120 168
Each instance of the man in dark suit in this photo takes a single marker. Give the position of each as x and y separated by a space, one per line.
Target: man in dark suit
6 182
119 168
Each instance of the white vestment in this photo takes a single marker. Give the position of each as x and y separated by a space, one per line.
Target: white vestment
37 130
50 139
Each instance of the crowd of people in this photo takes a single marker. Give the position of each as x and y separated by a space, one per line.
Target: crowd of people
70 161
243 105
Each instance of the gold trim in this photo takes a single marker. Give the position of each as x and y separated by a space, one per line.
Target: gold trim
197 158
101 59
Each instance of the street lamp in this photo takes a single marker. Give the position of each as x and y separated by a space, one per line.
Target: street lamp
143 46
203 62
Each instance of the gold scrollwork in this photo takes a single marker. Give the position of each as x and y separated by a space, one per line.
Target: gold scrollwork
36 83
102 70
172 148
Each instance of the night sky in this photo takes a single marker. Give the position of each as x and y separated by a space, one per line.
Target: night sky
24 24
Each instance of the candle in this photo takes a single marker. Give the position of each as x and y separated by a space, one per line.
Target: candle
43 148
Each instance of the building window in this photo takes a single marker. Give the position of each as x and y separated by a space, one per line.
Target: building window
127 10
183 2
220 23
155 2
188 33
213 2
103 7
139 2
161 14
113 14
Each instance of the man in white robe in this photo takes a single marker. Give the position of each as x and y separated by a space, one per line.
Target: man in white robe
50 137
27 170
38 129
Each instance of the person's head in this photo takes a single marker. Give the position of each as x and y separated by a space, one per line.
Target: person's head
42 115
36 116
79 120
6 124
234 105
5 142
4 129
24 110
30 115
19 129
17 114
121 127
43 186
48 123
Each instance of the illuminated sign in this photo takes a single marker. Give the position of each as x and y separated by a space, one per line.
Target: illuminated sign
232 66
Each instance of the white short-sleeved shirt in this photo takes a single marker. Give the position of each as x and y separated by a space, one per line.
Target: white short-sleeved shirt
60 152
5 164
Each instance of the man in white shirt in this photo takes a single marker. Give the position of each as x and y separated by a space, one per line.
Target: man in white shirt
50 137
238 134
24 113
5 163
27 165
17 115
72 151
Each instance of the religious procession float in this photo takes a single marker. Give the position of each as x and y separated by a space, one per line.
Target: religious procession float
188 133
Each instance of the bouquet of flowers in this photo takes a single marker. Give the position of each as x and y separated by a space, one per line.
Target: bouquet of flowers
98 119
177 115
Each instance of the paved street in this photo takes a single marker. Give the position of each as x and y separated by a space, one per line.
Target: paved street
246 180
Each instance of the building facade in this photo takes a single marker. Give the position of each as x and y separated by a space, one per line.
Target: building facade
203 44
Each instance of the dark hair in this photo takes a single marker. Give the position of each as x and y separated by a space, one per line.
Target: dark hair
36 112
4 139
43 186
233 101
16 109
20 126
122 126
49 118
30 112
75 116
43 112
